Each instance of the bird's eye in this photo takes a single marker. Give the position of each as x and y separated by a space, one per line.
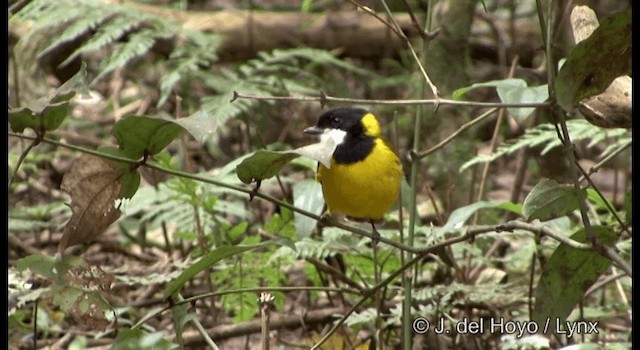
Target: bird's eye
335 121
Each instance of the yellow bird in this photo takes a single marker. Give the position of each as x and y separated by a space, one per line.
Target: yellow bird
365 173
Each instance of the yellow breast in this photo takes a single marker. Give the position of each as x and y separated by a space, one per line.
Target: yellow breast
366 189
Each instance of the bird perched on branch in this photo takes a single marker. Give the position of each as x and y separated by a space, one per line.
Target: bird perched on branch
363 179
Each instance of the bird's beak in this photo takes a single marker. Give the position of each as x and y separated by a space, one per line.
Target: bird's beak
313 130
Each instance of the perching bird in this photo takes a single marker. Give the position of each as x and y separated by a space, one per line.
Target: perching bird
365 173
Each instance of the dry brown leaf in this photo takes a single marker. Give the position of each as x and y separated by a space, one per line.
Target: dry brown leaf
611 108
94 185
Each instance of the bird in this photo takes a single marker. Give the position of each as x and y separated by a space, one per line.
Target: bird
364 176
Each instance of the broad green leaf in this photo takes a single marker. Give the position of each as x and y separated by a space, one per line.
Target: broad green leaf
66 297
48 266
596 61
533 94
284 242
130 178
263 165
462 214
201 125
511 90
139 135
48 113
549 200
76 84
505 83
204 263
41 114
266 164
39 264
594 197
130 183
180 317
567 275
307 195
231 166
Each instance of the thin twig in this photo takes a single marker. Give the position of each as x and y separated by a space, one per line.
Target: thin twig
601 163
335 273
23 155
323 99
203 332
423 34
604 199
462 128
603 282
603 250
623 296
395 27
531 279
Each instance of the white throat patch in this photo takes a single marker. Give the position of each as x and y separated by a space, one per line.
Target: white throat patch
336 135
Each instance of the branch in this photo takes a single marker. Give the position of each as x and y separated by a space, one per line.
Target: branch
323 99
398 31
276 322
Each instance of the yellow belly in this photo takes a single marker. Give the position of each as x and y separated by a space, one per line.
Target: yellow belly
366 189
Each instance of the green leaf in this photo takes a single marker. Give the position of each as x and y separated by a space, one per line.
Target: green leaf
511 90
66 297
76 84
130 178
594 197
462 214
504 83
49 113
204 263
550 200
39 264
139 135
38 114
266 164
284 242
567 275
236 231
180 317
48 266
307 195
263 165
596 61
533 94
201 125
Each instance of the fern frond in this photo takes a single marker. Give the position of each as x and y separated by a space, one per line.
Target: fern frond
81 26
106 23
45 14
139 43
107 34
617 146
198 51
545 134
274 73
